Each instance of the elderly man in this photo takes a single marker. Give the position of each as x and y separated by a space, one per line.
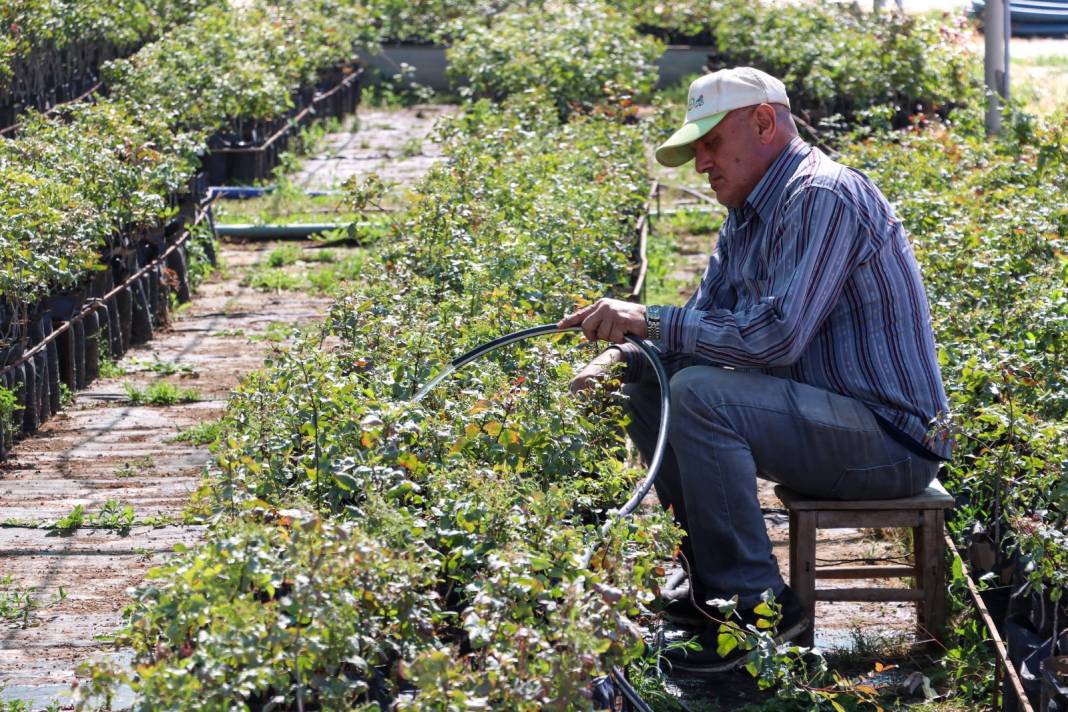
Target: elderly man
805 356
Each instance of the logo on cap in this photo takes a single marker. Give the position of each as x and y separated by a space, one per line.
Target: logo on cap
695 102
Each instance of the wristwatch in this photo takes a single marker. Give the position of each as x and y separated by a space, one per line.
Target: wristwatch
652 322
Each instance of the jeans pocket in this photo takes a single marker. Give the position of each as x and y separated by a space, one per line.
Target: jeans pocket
880 482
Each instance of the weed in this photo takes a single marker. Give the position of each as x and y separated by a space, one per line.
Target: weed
16 603
112 515
285 254
272 280
111 369
66 395
200 434
276 333
74 519
8 407
167 368
135 467
160 393
411 147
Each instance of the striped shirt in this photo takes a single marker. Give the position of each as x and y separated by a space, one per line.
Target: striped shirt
813 279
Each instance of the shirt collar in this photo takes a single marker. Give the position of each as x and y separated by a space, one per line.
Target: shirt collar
765 195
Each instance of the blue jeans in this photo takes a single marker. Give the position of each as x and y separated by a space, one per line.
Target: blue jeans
729 427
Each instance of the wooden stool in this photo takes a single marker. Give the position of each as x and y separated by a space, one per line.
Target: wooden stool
924 514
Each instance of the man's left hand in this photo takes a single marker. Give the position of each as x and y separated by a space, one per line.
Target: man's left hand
609 320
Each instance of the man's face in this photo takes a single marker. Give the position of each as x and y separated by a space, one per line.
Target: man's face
730 155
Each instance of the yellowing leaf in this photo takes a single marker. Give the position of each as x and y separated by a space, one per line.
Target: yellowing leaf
725 643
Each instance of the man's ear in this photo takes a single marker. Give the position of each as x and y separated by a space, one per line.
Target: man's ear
766 123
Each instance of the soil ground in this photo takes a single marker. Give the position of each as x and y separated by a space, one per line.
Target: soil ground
59 593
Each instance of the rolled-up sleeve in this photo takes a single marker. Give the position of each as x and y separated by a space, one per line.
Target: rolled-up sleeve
814 251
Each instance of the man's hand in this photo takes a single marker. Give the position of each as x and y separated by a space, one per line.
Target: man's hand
595 370
609 320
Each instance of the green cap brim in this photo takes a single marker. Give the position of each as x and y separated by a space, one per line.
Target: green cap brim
679 148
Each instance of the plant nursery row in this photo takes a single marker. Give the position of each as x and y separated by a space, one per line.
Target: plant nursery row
51 51
97 191
370 552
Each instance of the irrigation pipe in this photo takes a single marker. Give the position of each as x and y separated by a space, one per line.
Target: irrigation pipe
278 232
665 404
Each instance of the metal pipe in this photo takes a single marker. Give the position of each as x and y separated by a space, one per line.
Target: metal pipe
996 31
275 232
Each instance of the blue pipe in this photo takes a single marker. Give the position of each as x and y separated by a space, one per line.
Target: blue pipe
244 192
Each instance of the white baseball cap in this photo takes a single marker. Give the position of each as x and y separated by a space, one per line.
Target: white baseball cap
708 101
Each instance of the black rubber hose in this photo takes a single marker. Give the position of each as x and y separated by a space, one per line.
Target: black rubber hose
646 349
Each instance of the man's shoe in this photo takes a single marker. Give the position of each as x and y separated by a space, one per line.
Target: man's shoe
708 661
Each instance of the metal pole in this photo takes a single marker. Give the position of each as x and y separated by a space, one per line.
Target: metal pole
996 28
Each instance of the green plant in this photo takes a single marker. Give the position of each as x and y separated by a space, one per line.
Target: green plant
74 519
167 368
16 603
66 396
111 369
581 54
204 433
835 59
8 408
112 515
160 393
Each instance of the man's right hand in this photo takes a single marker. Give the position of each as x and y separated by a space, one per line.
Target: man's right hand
595 370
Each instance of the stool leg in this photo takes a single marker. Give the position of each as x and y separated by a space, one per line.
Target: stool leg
931 573
803 567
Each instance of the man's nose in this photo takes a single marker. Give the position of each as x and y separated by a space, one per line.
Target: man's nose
702 162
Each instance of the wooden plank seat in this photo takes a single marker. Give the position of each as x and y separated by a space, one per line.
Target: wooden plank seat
924 514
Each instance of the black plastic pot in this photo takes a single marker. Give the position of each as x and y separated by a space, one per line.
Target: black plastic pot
78 330
141 325
177 264
28 396
1054 671
114 328
125 299
66 359
1026 648
61 307
997 604
92 345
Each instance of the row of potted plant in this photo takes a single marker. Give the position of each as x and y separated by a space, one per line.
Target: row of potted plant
52 50
91 175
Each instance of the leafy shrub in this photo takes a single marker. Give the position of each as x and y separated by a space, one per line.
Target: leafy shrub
241 63
833 58
580 53
85 178
497 484
989 227
45 40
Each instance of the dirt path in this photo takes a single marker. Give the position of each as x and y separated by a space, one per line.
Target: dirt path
104 448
